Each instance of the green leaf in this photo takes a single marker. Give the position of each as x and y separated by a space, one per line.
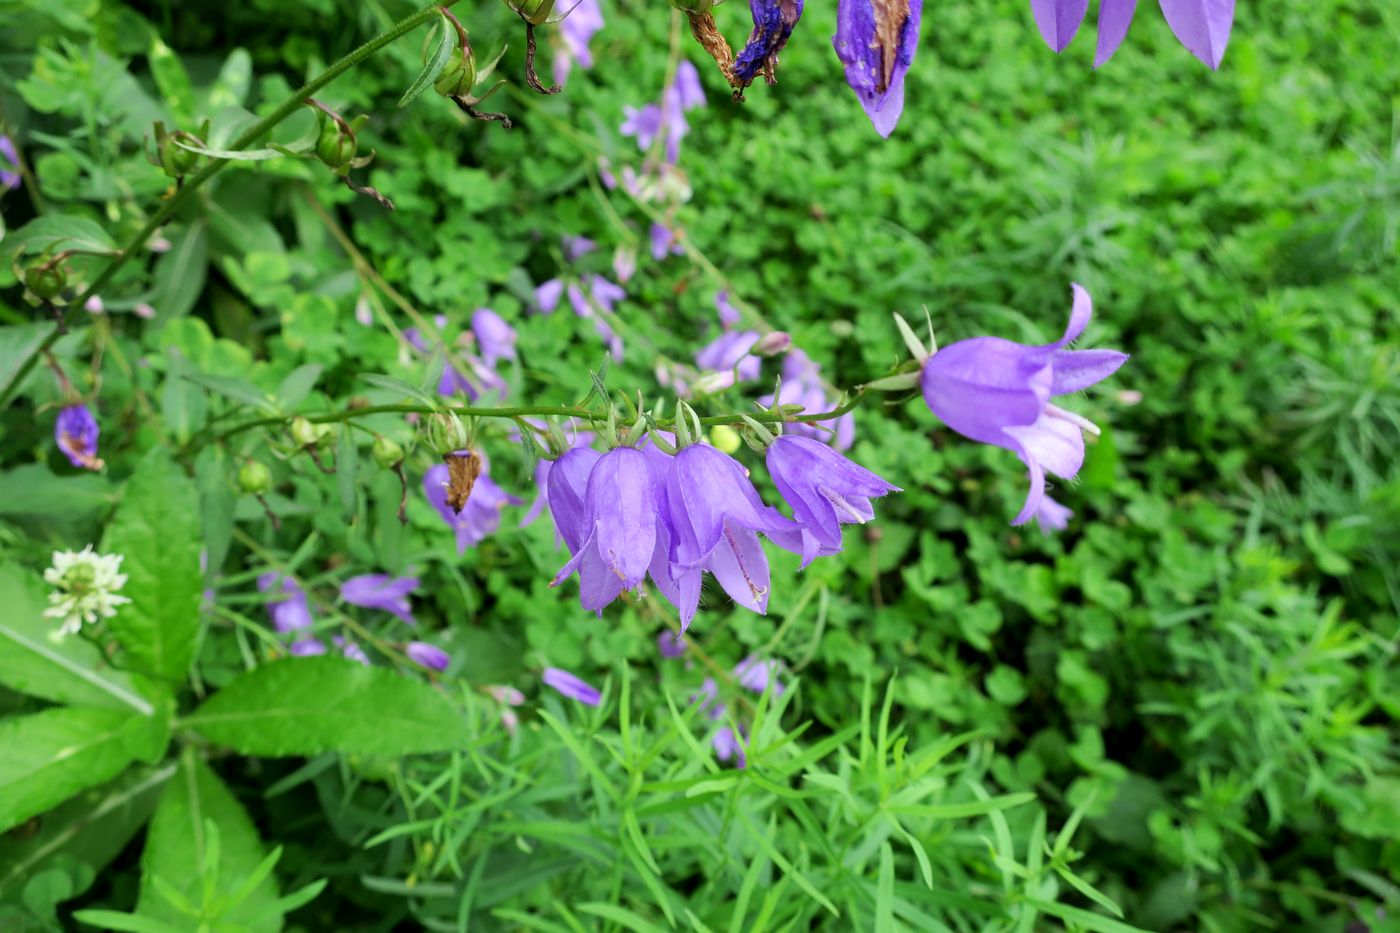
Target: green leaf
157 532
236 155
125 923
179 852
405 389
180 273
884 891
50 756
298 385
306 706
55 232
17 344
33 489
1082 918
237 389
951 811
217 501
63 670
346 462
437 62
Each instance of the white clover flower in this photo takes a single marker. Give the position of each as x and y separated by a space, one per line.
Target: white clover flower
85 588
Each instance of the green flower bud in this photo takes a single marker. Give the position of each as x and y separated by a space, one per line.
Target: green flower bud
254 478
446 433
45 280
386 453
534 12
725 438
307 434
458 77
334 146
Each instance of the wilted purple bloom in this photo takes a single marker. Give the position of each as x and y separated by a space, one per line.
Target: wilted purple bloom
289 612
802 386
716 516
547 295
381 591
875 40
998 392
728 353
306 648
773 21
351 650
9 165
670 644
727 745
728 314
824 489
663 242
755 675
426 655
482 514
494 336
614 525
577 30
571 686
75 431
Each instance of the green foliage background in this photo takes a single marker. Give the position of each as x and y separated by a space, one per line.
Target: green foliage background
1184 704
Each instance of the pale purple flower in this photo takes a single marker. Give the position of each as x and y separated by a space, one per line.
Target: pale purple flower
547 295
686 93
729 354
728 314
754 674
364 313
998 392
494 336
727 745
480 380
571 687
876 40
289 611
143 310
670 645
576 247
824 489
577 30
1052 516
1058 20
306 648
773 21
351 650
480 516
610 510
664 242
716 516
75 431
381 591
426 655
642 124
602 293
624 263
1202 26
802 386
542 470
94 305
9 165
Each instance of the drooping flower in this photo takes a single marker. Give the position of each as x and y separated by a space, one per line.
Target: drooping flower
9 165
1052 516
480 516
577 30
729 355
716 516
85 588
289 611
825 490
1202 26
494 337
667 120
727 745
755 675
663 242
876 40
773 22
542 470
480 378
351 650
576 247
802 385
426 655
571 686
642 124
998 392
547 295
381 591
670 644
615 526
75 431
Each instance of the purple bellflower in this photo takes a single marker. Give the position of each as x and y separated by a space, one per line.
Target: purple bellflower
670 645
426 655
998 392
716 515
773 22
75 431
577 30
727 745
614 525
351 650
381 591
728 314
480 380
1202 26
755 675
876 40
494 336
306 648
9 165
289 611
729 356
824 489
663 242
802 385
571 686
482 514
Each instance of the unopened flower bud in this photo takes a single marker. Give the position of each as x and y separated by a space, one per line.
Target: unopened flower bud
45 280
254 478
534 12
459 75
772 344
335 147
172 158
307 434
387 453
725 438
710 383
446 433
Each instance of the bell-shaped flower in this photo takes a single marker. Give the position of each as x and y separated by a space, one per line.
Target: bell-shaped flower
802 385
1202 26
614 524
75 431
875 40
289 610
480 516
9 165
571 686
717 515
494 336
729 355
381 591
998 392
577 30
773 22
824 489
426 655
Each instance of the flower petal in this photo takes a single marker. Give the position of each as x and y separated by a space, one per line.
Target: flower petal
1079 369
1115 16
1203 26
741 567
1058 20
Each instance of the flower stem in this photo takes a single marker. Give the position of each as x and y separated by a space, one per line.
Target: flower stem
211 168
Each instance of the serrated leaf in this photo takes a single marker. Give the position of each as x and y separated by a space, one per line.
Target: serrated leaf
436 64
179 852
157 532
306 706
65 670
50 756
236 389
408 390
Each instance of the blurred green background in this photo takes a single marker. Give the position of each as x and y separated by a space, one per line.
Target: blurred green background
1203 663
